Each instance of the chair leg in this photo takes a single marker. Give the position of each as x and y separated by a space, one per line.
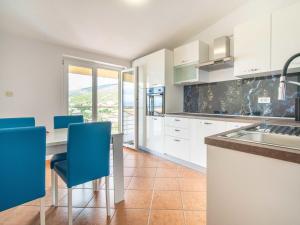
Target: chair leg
107 196
54 188
95 185
70 214
42 212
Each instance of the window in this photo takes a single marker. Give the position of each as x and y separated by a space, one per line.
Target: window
94 92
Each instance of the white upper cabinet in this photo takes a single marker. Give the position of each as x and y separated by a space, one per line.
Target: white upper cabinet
285 36
252 47
193 52
156 68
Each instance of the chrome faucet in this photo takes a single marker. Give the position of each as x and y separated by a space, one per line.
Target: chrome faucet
283 80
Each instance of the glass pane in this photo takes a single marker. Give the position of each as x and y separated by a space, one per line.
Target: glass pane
80 91
108 97
128 108
185 73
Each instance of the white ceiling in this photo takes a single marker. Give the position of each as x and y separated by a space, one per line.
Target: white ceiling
117 28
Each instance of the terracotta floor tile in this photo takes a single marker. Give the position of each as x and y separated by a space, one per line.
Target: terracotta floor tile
80 197
150 163
167 164
167 217
189 173
62 192
94 216
130 217
194 200
195 217
166 200
59 215
135 199
130 163
165 172
145 172
129 172
141 183
167 184
192 184
25 215
99 199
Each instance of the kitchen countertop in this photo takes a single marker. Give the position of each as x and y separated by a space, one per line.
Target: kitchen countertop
275 152
232 118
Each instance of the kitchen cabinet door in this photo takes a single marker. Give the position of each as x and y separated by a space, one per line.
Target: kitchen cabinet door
155 68
252 47
178 147
155 134
187 53
200 130
285 36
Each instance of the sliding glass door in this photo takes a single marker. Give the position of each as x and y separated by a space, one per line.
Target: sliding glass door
129 108
93 90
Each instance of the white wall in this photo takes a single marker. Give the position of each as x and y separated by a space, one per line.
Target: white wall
225 27
33 71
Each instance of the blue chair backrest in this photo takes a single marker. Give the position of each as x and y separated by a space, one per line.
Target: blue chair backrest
17 122
22 165
88 152
64 121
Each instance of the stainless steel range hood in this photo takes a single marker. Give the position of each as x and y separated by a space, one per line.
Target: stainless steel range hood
222 58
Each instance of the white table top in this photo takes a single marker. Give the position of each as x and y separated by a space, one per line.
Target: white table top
60 137
57 137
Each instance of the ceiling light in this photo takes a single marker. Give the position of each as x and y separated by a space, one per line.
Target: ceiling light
136 2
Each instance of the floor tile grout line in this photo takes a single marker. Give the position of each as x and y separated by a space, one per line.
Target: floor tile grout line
152 197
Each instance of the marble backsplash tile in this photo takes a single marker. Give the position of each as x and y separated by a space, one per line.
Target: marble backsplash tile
240 97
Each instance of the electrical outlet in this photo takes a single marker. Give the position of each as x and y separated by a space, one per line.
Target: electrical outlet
9 94
264 100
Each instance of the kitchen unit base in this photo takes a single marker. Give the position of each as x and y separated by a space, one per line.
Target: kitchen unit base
251 189
175 160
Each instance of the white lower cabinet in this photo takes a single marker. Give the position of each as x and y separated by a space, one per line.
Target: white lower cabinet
185 138
155 134
177 147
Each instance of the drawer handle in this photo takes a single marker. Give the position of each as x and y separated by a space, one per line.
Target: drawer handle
177 130
206 123
176 140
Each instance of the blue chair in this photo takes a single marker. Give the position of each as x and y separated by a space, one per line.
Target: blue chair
88 157
22 167
17 122
61 122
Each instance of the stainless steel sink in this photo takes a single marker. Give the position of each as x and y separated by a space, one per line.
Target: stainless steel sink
264 135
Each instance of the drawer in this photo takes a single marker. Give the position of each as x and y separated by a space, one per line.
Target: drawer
177 122
178 147
177 132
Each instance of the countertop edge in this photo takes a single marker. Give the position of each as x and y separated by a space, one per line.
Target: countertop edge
254 148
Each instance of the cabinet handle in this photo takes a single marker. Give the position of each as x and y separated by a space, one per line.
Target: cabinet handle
206 123
177 130
176 140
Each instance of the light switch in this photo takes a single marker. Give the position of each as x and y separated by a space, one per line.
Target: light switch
264 100
9 94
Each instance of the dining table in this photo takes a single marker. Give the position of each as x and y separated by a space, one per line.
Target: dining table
56 142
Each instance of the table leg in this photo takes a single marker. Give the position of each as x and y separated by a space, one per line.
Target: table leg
118 167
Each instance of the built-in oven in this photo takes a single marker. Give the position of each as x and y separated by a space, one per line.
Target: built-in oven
155 101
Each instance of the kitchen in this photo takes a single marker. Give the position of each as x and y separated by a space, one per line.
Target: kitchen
209 121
